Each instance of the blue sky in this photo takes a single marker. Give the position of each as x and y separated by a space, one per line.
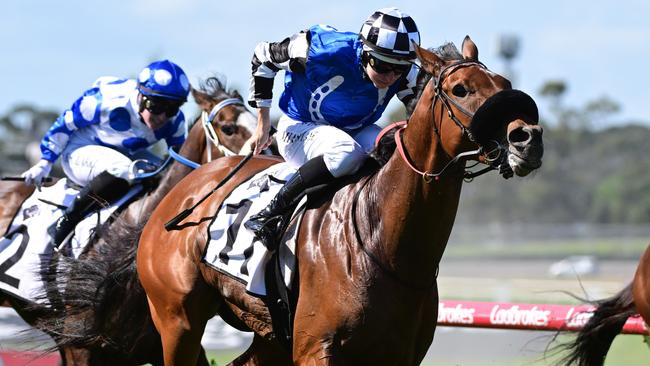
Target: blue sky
53 50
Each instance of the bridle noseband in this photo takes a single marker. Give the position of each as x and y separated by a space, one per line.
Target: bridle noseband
494 157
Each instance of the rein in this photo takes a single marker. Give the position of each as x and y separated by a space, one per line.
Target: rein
210 136
210 133
430 176
173 155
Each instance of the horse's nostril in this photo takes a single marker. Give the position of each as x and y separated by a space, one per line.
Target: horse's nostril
518 135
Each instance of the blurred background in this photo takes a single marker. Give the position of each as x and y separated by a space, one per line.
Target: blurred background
578 225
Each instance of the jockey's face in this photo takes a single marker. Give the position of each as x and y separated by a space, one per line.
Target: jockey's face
381 81
153 121
155 112
384 74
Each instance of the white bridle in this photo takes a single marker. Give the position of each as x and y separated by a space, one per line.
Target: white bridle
210 134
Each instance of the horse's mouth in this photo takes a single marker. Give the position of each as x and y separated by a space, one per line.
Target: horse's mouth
522 166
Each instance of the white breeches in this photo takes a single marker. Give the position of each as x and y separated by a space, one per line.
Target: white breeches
343 152
82 163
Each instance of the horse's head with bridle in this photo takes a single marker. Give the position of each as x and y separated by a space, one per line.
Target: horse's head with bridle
224 117
476 114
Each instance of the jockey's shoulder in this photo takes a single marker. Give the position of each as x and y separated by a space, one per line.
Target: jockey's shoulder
114 81
112 91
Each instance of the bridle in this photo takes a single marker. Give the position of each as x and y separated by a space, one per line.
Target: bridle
210 134
494 157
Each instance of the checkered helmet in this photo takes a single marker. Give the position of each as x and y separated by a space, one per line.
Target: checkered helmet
164 79
389 32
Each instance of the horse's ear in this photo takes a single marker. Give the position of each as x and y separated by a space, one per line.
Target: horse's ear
429 61
470 51
235 94
202 99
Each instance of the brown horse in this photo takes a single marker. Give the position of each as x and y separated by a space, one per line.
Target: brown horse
592 343
102 342
368 253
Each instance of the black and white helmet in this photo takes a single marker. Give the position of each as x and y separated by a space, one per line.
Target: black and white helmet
389 32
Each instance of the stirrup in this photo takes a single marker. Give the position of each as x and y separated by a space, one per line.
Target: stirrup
255 224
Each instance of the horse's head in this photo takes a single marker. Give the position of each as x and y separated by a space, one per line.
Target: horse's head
473 106
227 122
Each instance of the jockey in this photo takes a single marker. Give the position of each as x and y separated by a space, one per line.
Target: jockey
337 84
100 135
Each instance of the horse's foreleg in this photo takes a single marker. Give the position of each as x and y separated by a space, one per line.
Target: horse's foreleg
181 335
74 356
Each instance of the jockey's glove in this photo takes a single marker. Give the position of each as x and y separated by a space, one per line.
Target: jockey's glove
36 173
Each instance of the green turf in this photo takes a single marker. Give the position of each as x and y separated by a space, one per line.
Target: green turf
603 248
627 350
221 358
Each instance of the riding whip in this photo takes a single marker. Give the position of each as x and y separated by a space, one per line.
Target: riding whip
171 224
22 179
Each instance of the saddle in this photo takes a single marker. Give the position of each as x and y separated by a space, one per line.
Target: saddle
26 248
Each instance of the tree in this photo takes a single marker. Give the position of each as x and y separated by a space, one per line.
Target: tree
21 129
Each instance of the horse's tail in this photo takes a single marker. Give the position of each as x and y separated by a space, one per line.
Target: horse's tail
593 341
102 304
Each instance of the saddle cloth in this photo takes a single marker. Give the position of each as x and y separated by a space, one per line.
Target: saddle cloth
233 249
26 248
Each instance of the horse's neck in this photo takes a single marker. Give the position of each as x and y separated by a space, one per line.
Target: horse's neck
12 195
194 150
416 217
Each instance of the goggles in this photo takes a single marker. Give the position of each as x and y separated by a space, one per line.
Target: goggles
384 67
157 105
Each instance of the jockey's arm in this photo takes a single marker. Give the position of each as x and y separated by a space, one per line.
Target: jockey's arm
57 137
269 58
82 113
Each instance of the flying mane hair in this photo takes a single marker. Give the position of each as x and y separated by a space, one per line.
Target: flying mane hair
384 150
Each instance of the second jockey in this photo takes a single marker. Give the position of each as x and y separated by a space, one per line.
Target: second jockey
337 84
103 131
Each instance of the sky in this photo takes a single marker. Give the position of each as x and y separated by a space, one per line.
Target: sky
51 51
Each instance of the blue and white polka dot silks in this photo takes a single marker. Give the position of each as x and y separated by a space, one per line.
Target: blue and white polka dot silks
108 115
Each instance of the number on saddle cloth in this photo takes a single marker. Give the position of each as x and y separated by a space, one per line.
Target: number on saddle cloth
232 248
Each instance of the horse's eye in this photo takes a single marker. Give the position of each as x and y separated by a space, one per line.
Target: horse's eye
459 90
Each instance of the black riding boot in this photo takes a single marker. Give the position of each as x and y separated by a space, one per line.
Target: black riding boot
103 190
267 222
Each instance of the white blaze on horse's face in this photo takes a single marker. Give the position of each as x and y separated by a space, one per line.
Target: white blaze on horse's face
248 121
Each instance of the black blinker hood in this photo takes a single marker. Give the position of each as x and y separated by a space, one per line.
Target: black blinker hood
500 109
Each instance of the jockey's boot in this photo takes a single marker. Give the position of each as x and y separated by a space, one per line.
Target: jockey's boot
266 223
100 192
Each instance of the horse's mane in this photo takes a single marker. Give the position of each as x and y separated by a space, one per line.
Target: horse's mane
386 146
215 87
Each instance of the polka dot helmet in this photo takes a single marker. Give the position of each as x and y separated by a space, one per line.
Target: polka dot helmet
164 79
389 32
